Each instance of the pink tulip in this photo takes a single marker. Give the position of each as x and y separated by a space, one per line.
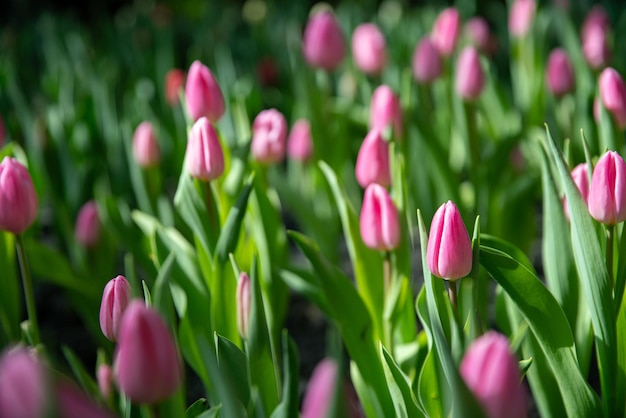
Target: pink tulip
203 93
613 94
607 192
597 109
243 305
115 299
18 199
446 31
385 110
560 75
596 18
379 222
477 30
491 372
427 65
204 155
146 149
321 390
596 47
369 49
521 17
147 367
174 83
449 252
372 163
269 137
104 376
580 175
300 143
74 403
87 229
470 77
23 385
323 44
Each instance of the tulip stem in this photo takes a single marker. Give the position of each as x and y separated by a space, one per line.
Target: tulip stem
452 293
33 329
610 238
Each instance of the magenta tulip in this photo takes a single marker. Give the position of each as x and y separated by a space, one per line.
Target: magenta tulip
203 94
269 137
607 192
104 376
300 143
369 49
446 31
18 199
596 49
521 17
146 149
385 110
379 221
87 229
115 300
72 402
427 66
243 305
491 372
174 83
470 77
23 384
319 394
449 252
560 76
613 94
323 44
204 156
478 33
372 163
580 175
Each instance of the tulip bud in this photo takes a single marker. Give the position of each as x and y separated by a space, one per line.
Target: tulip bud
146 148
369 49
385 110
204 156
446 30
597 109
596 18
470 78
372 163
449 252
426 62
104 375
269 137
115 299
203 94
580 175
491 372
596 47
18 199
74 403
300 143
560 75
323 43
477 30
321 390
267 71
613 94
521 17
174 82
87 230
147 367
243 305
607 192
380 226
23 386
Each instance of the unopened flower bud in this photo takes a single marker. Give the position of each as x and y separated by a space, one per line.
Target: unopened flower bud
147 367
446 31
243 305
427 65
607 192
321 389
369 49
72 402
596 18
115 299
146 149
613 94
449 252
491 372
521 17
269 137
18 199
23 385
596 48
203 94
560 75
372 163
477 30
104 376
87 230
174 83
323 43
379 221
300 143
580 175
385 110
470 77
204 155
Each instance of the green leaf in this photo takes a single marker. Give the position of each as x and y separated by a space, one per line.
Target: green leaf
10 294
403 398
288 406
232 363
306 283
83 378
367 263
593 277
353 320
547 322
229 236
197 408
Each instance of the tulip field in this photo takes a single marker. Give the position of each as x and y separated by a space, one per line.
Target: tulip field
280 209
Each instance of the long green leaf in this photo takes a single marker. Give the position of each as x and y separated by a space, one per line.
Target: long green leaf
399 388
594 279
288 406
